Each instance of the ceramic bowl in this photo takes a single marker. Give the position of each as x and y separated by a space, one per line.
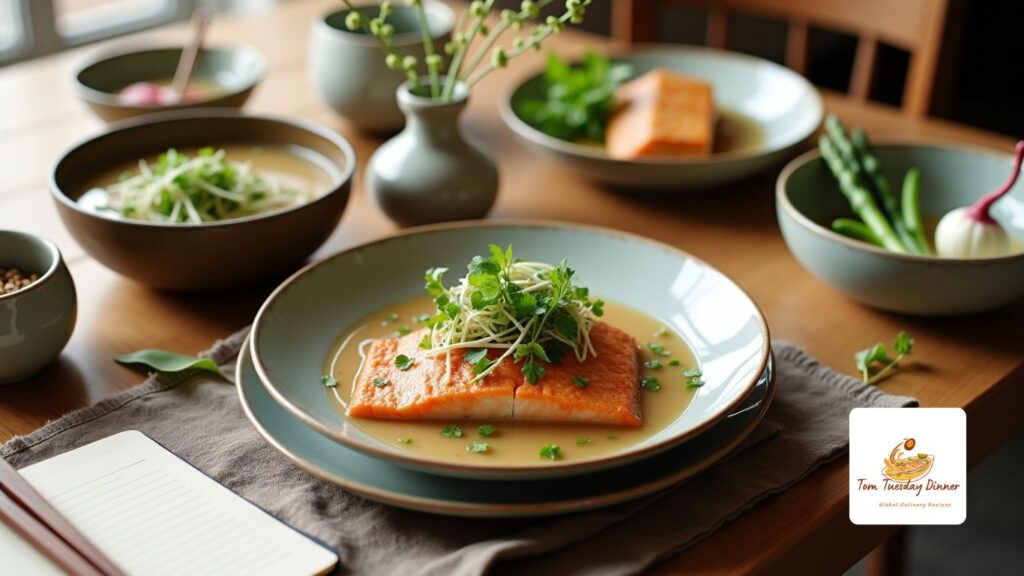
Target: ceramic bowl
298 326
348 70
233 72
35 322
808 199
782 105
212 255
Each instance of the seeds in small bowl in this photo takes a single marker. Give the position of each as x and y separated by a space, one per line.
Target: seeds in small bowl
13 279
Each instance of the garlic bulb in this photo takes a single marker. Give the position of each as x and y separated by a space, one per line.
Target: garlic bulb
971 232
961 236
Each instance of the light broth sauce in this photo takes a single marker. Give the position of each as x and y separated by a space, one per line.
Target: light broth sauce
518 442
286 166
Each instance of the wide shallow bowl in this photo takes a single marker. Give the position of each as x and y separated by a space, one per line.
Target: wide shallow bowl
299 324
36 321
348 69
782 104
233 72
383 481
212 255
808 199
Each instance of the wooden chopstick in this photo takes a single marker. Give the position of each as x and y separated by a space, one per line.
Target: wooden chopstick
40 536
23 497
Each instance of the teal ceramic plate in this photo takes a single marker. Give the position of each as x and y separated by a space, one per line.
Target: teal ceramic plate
298 325
385 482
778 106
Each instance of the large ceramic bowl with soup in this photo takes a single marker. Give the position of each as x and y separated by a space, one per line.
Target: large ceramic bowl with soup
204 200
762 111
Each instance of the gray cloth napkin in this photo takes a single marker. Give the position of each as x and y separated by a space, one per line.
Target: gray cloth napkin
199 419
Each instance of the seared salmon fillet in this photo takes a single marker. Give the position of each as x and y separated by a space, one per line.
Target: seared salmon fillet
612 394
422 392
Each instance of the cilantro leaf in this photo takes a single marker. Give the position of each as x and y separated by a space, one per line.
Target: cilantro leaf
403 362
879 355
381 382
658 349
452 431
486 430
653 364
477 447
551 451
650 383
532 371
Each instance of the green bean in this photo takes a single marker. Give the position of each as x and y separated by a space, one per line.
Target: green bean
856 230
912 209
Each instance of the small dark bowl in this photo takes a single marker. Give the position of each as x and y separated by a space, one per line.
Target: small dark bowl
235 71
213 255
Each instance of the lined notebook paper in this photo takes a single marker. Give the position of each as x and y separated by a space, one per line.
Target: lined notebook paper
152 514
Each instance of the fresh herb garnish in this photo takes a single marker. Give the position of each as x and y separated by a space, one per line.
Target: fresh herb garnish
328 381
577 100
392 317
403 330
694 382
477 447
551 451
878 354
381 382
486 430
691 372
657 349
650 383
673 362
403 362
421 318
580 381
405 440
425 342
693 377
530 311
653 364
583 441
452 431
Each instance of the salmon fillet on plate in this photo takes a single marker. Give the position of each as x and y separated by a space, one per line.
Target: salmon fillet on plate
611 394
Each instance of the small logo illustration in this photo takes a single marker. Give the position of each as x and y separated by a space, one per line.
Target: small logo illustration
900 467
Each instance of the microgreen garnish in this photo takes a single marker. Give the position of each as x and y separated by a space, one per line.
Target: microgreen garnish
425 342
328 381
653 364
486 430
673 362
692 372
663 331
694 383
583 441
530 311
477 447
381 382
650 383
403 330
693 377
405 440
403 362
551 451
657 349
452 431
878 354
580 381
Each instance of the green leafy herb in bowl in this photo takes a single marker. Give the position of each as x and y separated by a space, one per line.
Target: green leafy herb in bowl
577 99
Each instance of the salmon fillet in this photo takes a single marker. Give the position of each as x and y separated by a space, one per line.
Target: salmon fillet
422 392
662 113
612 394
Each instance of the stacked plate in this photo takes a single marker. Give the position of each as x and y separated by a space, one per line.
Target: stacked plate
296 335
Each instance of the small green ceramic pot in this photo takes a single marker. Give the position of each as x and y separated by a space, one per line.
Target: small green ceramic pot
36 321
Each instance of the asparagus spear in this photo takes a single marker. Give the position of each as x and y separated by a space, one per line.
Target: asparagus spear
860 199
912 208
855 229
872 167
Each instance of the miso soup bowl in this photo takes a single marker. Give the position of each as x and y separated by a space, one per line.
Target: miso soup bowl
212 255
36 321
808 199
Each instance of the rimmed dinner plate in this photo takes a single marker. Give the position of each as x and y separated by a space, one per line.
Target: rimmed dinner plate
300 322
385 482
776 106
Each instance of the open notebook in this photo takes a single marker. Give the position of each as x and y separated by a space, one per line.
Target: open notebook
153 513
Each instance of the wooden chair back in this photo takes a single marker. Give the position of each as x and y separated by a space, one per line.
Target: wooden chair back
912 25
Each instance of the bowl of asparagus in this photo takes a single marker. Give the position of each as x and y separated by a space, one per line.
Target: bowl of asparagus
927 229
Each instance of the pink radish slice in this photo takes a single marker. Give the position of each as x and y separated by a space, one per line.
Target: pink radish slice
140 94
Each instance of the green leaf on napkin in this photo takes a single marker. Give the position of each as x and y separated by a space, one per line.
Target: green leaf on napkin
168 362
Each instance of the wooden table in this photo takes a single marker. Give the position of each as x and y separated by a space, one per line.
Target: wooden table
976 363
